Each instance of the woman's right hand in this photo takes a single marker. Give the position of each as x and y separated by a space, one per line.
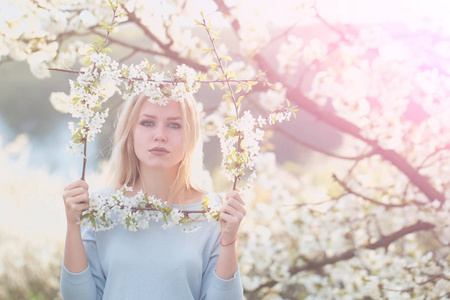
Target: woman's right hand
76 200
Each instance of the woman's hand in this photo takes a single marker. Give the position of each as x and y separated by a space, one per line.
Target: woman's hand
76 200
231 215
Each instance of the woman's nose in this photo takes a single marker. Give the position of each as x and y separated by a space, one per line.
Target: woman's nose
160 135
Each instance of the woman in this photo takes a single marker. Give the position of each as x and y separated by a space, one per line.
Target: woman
157 149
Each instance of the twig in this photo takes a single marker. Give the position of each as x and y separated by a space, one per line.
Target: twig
83 174
166 47
340 33
373 201
230 89
317 149
84 157
165 81
134 47
437 151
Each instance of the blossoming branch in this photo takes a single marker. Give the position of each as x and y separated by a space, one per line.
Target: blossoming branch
239 136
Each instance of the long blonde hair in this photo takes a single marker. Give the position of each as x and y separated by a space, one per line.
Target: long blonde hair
124 165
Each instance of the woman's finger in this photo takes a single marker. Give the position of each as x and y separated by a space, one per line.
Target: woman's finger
236 205
229 219
78 207
75 192
77 183
80 199
227 209
83 206
235 195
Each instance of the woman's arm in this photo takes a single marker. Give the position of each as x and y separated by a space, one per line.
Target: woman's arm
76 200
231 215
81 274
75 259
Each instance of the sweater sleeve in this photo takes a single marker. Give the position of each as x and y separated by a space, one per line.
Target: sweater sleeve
88 284
216 288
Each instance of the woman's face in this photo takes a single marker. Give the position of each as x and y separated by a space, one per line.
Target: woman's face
158 135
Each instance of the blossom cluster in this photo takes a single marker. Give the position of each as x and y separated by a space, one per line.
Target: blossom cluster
293 219
141 78
135 213
104 78
30 31
239 141
88 92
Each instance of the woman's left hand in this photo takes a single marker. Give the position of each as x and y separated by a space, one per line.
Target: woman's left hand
231 215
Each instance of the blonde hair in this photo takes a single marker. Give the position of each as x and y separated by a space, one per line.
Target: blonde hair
124 165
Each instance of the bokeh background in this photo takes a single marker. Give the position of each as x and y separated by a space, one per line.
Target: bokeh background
351 200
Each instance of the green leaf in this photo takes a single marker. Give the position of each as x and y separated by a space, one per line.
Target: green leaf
239 88
213 65
240 100
104 25
211 85
229 119
226 96
84 216
92 219
261 74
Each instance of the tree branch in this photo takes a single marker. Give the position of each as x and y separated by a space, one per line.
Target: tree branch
227 12
382 242
133 47
295 139
332 28
295 95
373 201
166 48
327 116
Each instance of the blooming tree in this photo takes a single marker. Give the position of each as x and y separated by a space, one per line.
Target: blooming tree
368 219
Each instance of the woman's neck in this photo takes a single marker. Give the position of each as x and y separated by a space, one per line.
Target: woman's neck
156 182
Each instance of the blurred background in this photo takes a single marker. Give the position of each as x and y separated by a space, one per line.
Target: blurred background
351 200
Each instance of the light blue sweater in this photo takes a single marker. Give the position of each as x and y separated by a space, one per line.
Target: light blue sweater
151 264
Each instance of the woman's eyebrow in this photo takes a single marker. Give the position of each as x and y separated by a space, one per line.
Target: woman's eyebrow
148 116
154 117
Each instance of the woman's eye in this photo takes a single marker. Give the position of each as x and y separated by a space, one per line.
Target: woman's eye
174 125
147 123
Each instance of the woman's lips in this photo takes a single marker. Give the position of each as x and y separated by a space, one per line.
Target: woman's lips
158 151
